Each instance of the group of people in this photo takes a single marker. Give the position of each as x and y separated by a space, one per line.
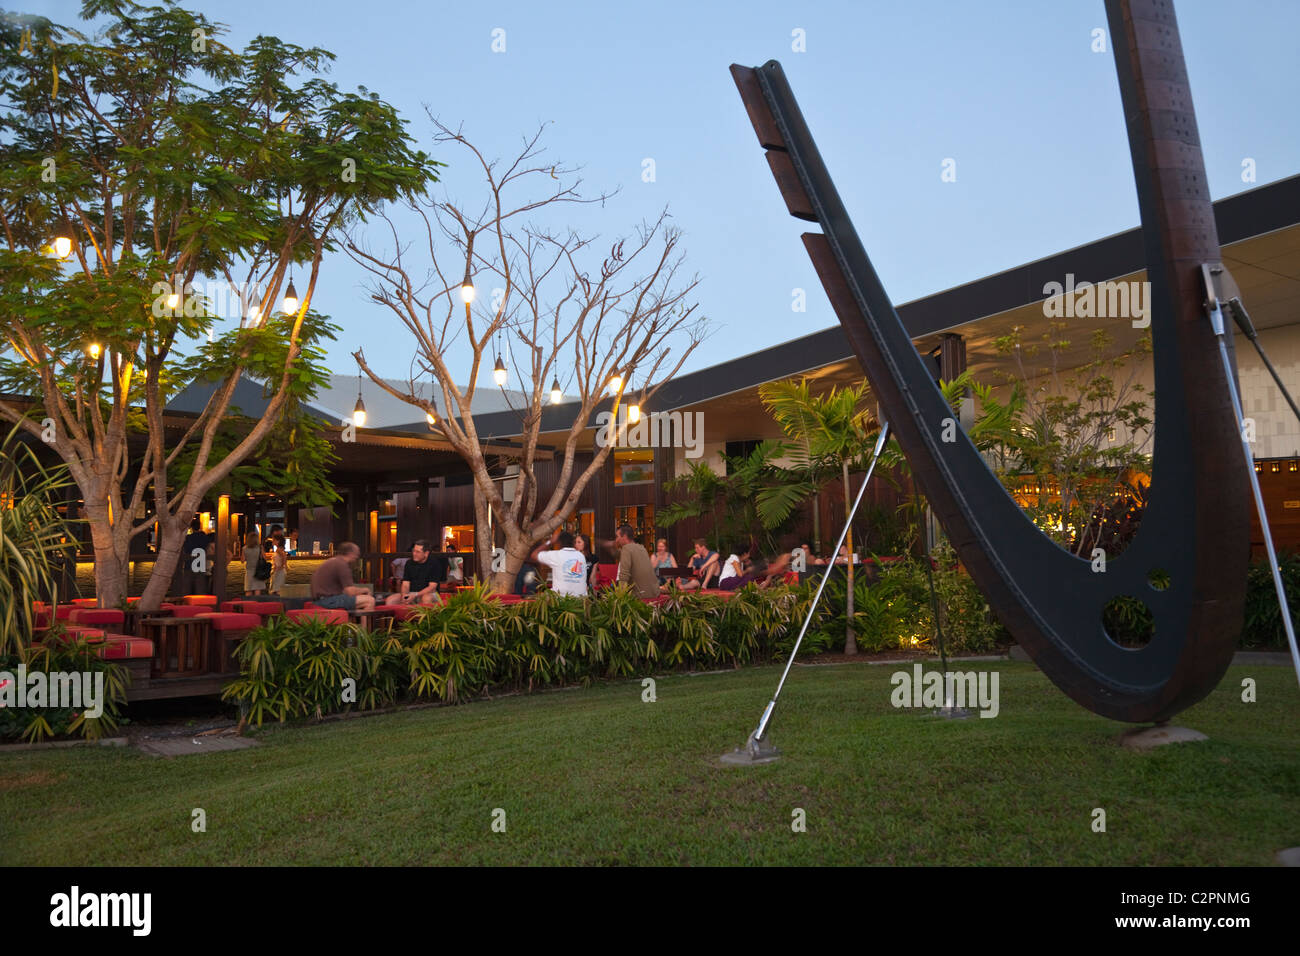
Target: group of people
572 570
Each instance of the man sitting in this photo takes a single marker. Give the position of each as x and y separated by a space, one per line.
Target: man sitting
634 565
568 566
704 566
331 583
420 577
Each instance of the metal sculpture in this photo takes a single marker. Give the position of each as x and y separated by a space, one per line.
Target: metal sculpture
1195 533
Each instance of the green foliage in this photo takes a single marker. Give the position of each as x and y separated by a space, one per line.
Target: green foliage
174 162
733 504
60 654
299 669
33 538
473 644
1263 619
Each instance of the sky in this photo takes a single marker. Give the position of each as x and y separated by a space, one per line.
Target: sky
1012 92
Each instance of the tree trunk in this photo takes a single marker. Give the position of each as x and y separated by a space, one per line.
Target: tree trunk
110 565
518 547
850 637
170 541
483 543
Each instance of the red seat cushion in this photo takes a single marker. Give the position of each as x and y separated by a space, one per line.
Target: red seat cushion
186 610
328 615
232 622
262 608
63 612
84 602
105 616
75 633
207 600
121 647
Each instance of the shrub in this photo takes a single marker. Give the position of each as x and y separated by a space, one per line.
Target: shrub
1263 619
299 668
35 724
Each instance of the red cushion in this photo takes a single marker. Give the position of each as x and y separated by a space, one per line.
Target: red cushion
121 647
232 622
63 611
188 610
328 615
84 602
263 608
75 633
108 616
40 617
404 612
207 600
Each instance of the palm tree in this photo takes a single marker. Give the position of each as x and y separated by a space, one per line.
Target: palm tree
830 434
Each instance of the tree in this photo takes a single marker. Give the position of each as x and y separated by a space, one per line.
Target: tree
163 163
1081 432
731 501
558 317
832 432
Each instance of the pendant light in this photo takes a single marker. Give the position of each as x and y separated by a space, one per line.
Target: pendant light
290 298
499 374
359 412
556 395
431 416
62 246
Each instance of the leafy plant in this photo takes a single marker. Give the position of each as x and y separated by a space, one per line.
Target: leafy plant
59 653
34 538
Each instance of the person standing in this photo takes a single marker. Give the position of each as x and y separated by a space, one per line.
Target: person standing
634 565
279 561
192 581
568 567
252 558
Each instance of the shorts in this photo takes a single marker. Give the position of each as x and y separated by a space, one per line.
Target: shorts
337 602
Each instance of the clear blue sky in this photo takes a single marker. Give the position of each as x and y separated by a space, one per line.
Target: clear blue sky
1011 90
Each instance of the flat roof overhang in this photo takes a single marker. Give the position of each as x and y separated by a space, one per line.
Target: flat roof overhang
1259 232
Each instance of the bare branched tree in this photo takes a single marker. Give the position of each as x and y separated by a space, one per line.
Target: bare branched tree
592 325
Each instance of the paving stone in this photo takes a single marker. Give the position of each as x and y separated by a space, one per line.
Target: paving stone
182 746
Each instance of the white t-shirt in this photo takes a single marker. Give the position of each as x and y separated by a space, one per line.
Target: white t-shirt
731 568
568 571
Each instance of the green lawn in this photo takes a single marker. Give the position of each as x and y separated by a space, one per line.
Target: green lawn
594 776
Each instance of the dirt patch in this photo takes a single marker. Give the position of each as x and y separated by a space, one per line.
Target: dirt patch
38 778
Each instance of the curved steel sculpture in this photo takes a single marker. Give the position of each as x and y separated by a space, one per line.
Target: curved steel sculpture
1195 530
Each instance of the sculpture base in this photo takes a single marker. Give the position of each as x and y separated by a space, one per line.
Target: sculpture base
1148 738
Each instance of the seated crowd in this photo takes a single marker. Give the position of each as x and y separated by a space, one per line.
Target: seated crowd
571 567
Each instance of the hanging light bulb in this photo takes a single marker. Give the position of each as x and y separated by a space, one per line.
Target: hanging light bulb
616 383
62 246
359 412
467 290
556 394
499 372
255 311
290 299
93 350
173 301
633 413
431 416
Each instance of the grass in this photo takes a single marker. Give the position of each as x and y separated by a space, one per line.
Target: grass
596 776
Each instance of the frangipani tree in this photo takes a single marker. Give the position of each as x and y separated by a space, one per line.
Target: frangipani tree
160 163
490 283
